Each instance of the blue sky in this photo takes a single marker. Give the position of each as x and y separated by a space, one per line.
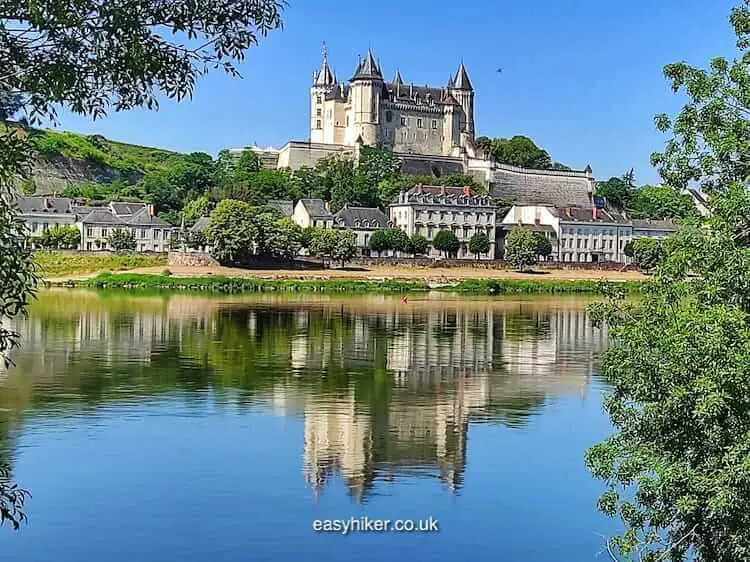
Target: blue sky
583 78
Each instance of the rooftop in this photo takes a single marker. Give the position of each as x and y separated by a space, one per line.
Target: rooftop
553 188
316 208
443 195
361 217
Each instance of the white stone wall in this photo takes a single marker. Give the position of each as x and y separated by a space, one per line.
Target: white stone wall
580 242
147 239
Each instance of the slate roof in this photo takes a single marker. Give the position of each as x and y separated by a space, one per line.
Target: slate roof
646 224
83 210
442 196
362 218
338 92
367 69
201 224
103 215
698 196
28 205
408 93
573 214
542 187
462 82
284 206
316 208
123 209
144 218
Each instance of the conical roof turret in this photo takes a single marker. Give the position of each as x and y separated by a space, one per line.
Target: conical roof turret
368 69
462 81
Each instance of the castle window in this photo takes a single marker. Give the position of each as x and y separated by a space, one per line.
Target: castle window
319 112
319 100
389 116
347 120
434 124
419 123
318 124
403 121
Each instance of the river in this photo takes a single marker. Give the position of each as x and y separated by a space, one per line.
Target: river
176 427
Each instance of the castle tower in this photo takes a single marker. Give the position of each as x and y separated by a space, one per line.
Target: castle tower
366 90
463 92
323 81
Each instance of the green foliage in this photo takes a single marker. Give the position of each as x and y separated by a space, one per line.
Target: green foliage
288 240
197 208
121 240
231 231
66 237
628 249
248 284
418 244
60 264
335 245
195 240
647 253
543 245
516 151
521 245
655 202
386 239
676 467
617 191
446 241
520 286
479 243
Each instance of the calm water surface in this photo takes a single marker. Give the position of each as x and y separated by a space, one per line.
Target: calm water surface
192 428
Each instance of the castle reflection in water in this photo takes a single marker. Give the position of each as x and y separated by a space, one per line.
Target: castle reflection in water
383 389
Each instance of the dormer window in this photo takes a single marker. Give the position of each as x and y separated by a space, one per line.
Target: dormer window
420 123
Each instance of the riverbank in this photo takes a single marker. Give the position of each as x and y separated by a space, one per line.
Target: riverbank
224 284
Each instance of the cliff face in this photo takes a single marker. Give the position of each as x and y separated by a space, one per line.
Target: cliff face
53 173
63 159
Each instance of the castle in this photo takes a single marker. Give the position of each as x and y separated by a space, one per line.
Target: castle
403 117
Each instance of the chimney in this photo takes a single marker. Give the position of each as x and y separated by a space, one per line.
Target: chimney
467 191
594 213
420 188
45 203
150 210
567 212
442 190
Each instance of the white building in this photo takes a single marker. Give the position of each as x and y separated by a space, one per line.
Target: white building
312 213
585 235
97 223
427 210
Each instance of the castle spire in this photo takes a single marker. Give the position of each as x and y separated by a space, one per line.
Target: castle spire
324 76
397 79
368 69
462 81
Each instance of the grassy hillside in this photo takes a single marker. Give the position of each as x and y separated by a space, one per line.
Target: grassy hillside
65 159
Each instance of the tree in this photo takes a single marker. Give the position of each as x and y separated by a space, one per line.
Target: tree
679 361
288 240
197 208
121 240
266 233
521 247
479 243
647 253
628 249
380 241
231 232
656 202
446 241
516 151
543 245
345 247
60 237
617 191
89 57
195 239
418 245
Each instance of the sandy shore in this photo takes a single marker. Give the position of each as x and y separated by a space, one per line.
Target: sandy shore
433 275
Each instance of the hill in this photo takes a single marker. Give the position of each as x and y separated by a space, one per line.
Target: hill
64 159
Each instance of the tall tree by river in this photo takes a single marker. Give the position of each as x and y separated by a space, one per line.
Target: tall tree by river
677 467
92 57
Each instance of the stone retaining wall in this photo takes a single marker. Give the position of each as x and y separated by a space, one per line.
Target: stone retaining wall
191 259
487 264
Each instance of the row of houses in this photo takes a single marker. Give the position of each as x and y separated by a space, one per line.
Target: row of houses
152 234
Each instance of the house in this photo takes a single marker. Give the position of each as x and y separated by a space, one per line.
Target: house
312 213
283 206
152 234
427 210
363 221
700 201
97 223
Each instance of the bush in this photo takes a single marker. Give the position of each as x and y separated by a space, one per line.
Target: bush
418 245
166 272
647 253
479 244
121 240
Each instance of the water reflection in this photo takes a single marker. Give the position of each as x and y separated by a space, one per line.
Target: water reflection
386 391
